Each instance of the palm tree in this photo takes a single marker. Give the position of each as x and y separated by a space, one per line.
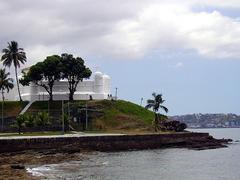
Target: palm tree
16 56
156 104
6 83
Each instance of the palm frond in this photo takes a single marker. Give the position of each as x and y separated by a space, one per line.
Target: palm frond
150 101
148 106
164 108
154 95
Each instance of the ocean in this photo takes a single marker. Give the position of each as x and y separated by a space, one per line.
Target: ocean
164 164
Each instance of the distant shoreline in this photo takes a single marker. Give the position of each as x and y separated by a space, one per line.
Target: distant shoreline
212 127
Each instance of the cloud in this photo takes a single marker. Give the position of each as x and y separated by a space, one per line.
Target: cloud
119 29
179 64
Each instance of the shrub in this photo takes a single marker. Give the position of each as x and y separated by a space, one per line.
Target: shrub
42 119
29 120
174 126
20 120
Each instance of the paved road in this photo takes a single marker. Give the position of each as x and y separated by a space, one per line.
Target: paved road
60 136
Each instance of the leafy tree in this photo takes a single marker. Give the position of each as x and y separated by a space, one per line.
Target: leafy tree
156 104
74 70
16 56
6 83
44 74
20 120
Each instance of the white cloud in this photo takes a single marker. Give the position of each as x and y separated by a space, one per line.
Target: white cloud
39 52
210 34
179 64
119 29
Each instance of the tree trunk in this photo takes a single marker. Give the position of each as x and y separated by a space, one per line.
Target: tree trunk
20 98
50 97
2 108
71 96
156 122
50 84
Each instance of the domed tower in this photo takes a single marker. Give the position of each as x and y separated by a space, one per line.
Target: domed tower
107 84
98 83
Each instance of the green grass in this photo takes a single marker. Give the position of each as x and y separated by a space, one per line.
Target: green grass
123 115
117 115
46 104
12 108
132 109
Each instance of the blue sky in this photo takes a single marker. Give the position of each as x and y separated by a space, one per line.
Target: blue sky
189 51
189 84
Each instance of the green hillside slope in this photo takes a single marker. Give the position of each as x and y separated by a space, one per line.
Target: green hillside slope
106 116
123 115
12 108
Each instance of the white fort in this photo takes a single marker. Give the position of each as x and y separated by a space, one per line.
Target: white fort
97 87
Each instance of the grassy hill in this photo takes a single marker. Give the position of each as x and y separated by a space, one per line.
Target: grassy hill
114 116
124 116
12 108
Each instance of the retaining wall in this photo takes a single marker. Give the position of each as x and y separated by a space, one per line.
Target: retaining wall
100 143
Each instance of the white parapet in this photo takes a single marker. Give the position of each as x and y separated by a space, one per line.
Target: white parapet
98 88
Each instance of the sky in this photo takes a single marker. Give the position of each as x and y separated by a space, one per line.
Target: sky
188 50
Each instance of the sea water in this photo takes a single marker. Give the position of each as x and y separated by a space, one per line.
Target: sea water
164 164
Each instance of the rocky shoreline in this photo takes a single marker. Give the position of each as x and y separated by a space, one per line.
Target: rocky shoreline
13 163
208 143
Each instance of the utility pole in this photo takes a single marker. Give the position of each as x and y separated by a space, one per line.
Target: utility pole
62 117
68 109
2 115
68 117
2 108
141 101
48 109
86 114
116 89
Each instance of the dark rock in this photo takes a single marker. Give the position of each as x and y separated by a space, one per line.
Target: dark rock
17 166
176 126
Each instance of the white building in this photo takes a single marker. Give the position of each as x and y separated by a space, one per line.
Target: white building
98 87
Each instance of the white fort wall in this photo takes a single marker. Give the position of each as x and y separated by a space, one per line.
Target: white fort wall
98 87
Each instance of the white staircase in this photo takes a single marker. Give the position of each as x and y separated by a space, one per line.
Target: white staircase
26 107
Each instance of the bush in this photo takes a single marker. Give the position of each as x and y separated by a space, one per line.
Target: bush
29 120
42 119
174 126
20 122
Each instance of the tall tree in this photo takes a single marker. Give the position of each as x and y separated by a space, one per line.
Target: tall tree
74 70
156 104
16 56
6 83
44 74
